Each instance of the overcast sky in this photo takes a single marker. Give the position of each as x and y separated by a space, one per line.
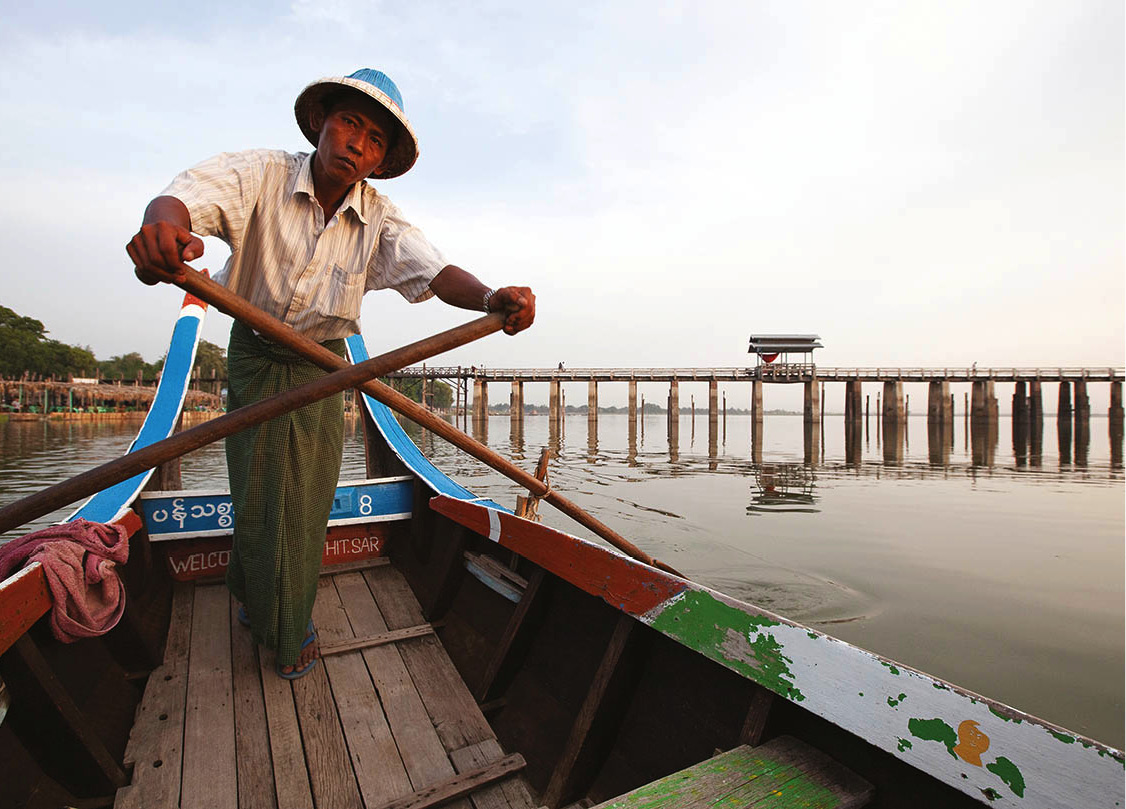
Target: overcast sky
919 183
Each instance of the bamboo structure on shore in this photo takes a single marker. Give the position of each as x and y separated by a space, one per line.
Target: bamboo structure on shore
49 396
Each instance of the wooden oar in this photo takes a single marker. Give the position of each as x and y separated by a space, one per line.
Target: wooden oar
349 376
228 302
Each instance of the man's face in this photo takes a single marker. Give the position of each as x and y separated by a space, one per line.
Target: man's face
353 142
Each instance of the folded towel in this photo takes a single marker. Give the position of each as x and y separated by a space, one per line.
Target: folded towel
79 559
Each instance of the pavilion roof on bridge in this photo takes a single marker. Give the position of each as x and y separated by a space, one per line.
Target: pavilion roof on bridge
784 344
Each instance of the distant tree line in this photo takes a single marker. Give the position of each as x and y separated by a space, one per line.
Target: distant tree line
439 394
26 349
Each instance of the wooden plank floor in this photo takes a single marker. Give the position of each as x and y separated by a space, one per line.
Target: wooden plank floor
367 728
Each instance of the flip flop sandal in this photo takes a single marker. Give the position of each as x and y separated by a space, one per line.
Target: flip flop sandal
301 672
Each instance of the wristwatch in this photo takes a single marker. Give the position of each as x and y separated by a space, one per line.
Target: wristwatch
488 297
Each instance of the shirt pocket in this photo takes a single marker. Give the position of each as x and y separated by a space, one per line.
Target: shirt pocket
342 294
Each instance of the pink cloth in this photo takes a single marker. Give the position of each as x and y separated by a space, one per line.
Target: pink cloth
78 559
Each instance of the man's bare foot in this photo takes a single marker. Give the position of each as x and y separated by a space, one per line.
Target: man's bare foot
310 652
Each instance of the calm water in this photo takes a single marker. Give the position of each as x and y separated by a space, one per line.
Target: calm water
995 564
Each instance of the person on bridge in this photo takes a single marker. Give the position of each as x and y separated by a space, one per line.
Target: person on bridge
308 237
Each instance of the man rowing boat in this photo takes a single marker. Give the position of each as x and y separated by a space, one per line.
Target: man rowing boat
308 237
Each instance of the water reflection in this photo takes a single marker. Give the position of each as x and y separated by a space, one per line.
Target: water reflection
854 450
1063 427
811 442
894 439
783 487
939 446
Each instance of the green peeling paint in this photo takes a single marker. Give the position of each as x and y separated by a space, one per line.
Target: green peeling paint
747 778
991 793
1063 737
1016 720
904 745
892 701
732 637
813 635
1009 773
889 667
940 686
934 730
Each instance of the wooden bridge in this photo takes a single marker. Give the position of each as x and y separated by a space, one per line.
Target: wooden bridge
890 403
775 373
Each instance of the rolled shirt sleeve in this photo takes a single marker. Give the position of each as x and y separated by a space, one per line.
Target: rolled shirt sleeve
405 260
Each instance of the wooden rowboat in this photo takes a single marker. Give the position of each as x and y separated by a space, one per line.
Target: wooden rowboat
474 658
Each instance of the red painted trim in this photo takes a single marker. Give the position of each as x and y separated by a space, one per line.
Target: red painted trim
131 521
190 559
189 298
24 599
623 583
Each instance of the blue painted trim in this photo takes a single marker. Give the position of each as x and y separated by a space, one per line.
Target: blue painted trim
402 445
160 422
187 513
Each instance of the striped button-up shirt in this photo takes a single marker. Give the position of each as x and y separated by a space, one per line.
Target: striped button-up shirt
285 259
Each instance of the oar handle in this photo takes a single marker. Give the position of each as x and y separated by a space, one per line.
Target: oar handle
226 301
347 376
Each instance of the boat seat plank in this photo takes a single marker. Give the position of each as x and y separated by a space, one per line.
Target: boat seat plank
155 746
355 643
209 776
508 793
463 784
252 733
375 757
782 773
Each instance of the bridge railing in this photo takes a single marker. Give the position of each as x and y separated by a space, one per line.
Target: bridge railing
773 372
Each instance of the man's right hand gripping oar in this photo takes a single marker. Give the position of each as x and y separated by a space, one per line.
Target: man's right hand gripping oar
165 242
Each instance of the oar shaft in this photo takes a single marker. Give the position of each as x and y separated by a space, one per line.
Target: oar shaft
226 301
348 376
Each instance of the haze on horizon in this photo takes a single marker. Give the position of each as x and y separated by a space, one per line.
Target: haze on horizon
920 184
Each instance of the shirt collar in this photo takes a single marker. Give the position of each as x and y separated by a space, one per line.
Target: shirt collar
303 184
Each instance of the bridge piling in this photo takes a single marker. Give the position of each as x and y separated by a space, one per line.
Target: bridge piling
592 400
1080 402
853 390
553 410
1063 406
1116 425
713 418
1021 406
756 401
480 400
674 411
1035 402
812 401
893 400
940 407
516 403
633 402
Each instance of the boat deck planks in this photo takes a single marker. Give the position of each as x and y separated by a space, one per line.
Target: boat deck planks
380 725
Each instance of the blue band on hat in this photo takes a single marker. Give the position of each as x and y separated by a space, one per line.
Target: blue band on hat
382 82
